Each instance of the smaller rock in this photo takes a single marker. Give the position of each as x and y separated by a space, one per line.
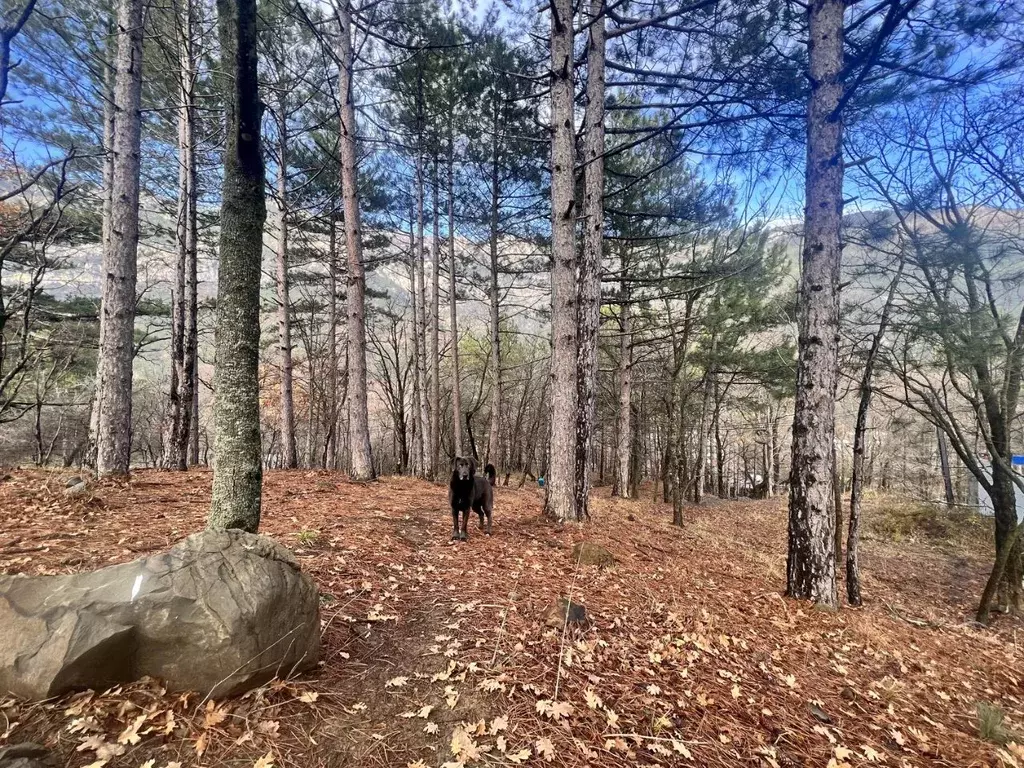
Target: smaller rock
76 491
588 553
27 755
73 481
818 712
565 611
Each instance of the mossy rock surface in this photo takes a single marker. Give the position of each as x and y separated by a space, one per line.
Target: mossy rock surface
589 553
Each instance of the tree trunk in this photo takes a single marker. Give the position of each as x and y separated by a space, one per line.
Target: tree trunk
811 560
109 113
420 323
494 428
117 345
591 262
947 478
677 469
860 431
1003 587
238 471
188 382
704 436
179 406
290 458
720 450
623 430
560 501
359 426
837 504
331 457
435 347
418 424
453 300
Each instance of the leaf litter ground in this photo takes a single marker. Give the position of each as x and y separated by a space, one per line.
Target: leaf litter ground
443 654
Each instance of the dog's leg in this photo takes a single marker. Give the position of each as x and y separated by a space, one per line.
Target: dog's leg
480 513
464 535
488 531
455 524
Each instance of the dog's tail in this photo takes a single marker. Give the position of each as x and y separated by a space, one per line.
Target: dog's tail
492 474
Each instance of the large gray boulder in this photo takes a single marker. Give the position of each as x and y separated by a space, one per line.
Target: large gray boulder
218 613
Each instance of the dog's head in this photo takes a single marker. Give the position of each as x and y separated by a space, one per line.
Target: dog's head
464 468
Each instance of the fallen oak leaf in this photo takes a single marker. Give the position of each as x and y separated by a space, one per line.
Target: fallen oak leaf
214 715
267 761
555 710
679 747
130 735
519 757
269 728
545 749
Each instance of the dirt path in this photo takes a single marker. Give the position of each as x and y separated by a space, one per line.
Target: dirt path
691 656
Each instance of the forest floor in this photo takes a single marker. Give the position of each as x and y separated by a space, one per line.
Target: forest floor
692 656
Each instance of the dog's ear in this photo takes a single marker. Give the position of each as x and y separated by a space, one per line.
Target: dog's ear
472 467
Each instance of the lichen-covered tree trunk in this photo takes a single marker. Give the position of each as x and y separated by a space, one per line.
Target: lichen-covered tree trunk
361 460
494 430
560 501
238 473
810 568
590 263
290 457
453 300
117 345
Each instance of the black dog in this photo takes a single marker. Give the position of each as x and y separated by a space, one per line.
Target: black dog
465 491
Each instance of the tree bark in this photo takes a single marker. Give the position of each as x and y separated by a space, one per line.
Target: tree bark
359 428
811 560
117 345
290 457
591 262
560 500
238 472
